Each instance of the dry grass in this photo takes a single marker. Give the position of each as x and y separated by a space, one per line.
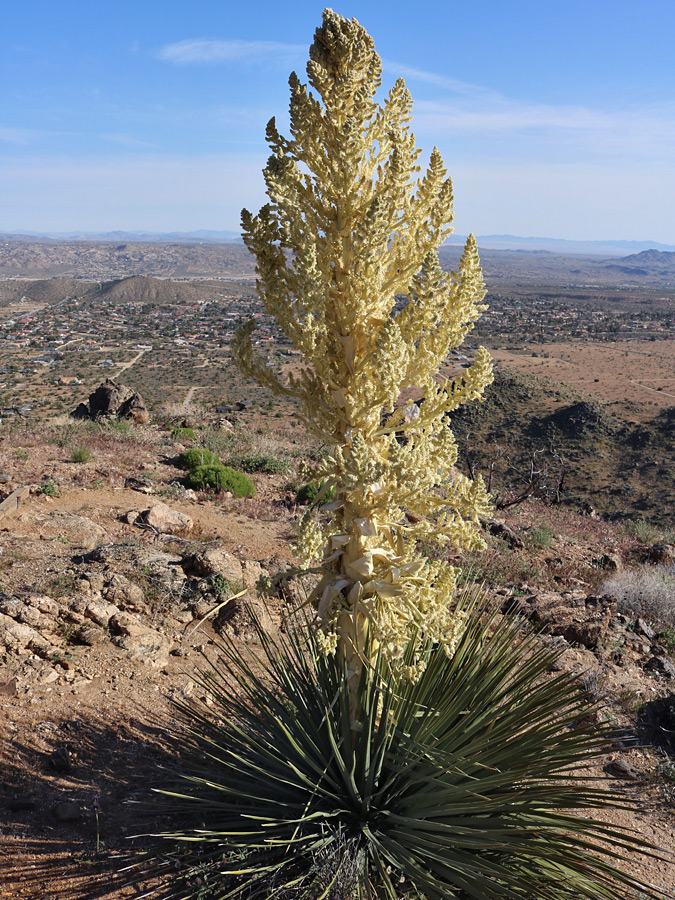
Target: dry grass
647 592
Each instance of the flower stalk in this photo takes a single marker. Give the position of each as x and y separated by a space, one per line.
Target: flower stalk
347 263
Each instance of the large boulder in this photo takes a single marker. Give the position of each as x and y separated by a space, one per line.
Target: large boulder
111 400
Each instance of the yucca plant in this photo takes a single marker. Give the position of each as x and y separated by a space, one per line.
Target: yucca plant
470 783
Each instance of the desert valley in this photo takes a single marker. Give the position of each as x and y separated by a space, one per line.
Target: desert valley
120 574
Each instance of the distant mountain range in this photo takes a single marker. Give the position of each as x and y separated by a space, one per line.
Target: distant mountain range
648 262
485 242
560 245
129 237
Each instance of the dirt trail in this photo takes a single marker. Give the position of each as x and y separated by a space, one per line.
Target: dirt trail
128 365
189 396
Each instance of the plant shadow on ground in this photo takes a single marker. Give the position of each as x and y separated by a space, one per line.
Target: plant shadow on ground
101 773
656 724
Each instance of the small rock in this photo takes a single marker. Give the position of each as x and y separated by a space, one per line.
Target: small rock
131 516
68 811
76 530
17 636
662 665
183 616
253 571
5 478
142 485
621 768
101 612
662 553
60 760
214 562
645 629
89 635
141 642
611 562
166 520
45 604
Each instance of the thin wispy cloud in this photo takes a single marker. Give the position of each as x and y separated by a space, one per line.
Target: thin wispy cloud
461 88
472 110
191 52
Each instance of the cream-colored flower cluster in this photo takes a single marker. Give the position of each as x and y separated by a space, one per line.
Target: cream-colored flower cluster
347 264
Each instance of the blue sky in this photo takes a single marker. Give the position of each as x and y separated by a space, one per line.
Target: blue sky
554 119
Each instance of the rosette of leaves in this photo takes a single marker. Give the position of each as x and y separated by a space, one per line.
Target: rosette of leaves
470 783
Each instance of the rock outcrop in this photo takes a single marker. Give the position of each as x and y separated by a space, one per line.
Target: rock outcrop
111 400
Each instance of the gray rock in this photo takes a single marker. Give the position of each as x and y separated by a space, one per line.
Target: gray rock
163 569
101 612
580 620
140 642
113 400
662 665
67 811
18 636
214 562
645 629
165 520
43 603
89 635
621 768
77 530
124 594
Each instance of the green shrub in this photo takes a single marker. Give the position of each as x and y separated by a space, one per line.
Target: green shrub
456 785
667 638
183 434
266 463
48 488
80 455
540 536
643 531
198 456
216 440
220 478
310 491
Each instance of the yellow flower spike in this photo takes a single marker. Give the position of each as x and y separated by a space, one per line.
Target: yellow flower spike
352 222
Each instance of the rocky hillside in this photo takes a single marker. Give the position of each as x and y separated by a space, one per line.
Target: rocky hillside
118 583
570 447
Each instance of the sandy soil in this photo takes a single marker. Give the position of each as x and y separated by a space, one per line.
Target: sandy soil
640 372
